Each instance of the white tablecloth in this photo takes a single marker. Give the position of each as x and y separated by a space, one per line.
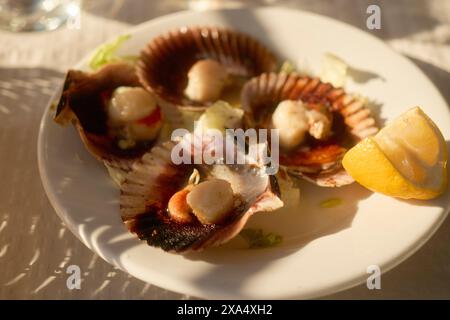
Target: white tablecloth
35 248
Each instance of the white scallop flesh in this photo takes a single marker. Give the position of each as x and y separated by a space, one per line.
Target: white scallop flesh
211 200
206 79
130 104
291 120
319 124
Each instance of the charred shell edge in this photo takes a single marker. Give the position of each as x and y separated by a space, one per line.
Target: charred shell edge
139 183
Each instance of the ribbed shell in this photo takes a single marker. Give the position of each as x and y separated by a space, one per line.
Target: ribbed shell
155 178
263 93
80 103
166 60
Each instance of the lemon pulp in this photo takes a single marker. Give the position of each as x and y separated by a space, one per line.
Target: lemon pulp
406 159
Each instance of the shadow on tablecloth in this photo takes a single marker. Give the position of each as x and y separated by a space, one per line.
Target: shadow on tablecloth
399 18
35 246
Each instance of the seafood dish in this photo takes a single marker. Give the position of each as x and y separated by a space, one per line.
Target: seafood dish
193 67
181 190
189 207
316 122
116 118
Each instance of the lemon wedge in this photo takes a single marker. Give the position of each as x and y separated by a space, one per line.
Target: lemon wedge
406 159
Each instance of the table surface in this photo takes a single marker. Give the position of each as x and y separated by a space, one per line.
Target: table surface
36 248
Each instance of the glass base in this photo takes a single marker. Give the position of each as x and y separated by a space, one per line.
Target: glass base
20 25
40 19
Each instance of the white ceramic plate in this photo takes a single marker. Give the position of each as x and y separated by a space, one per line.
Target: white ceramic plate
324 250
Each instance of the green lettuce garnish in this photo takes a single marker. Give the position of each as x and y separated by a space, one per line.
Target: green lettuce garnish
221 115
334 70
257 239
288 67
107 53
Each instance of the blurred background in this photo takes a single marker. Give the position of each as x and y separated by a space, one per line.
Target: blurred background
36 248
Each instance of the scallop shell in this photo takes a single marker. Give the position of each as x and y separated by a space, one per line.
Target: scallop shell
165 62
155 178
80 104
352 120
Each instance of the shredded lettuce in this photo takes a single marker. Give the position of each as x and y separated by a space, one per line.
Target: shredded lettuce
334 70
221 115
107 53
288 67
257 239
